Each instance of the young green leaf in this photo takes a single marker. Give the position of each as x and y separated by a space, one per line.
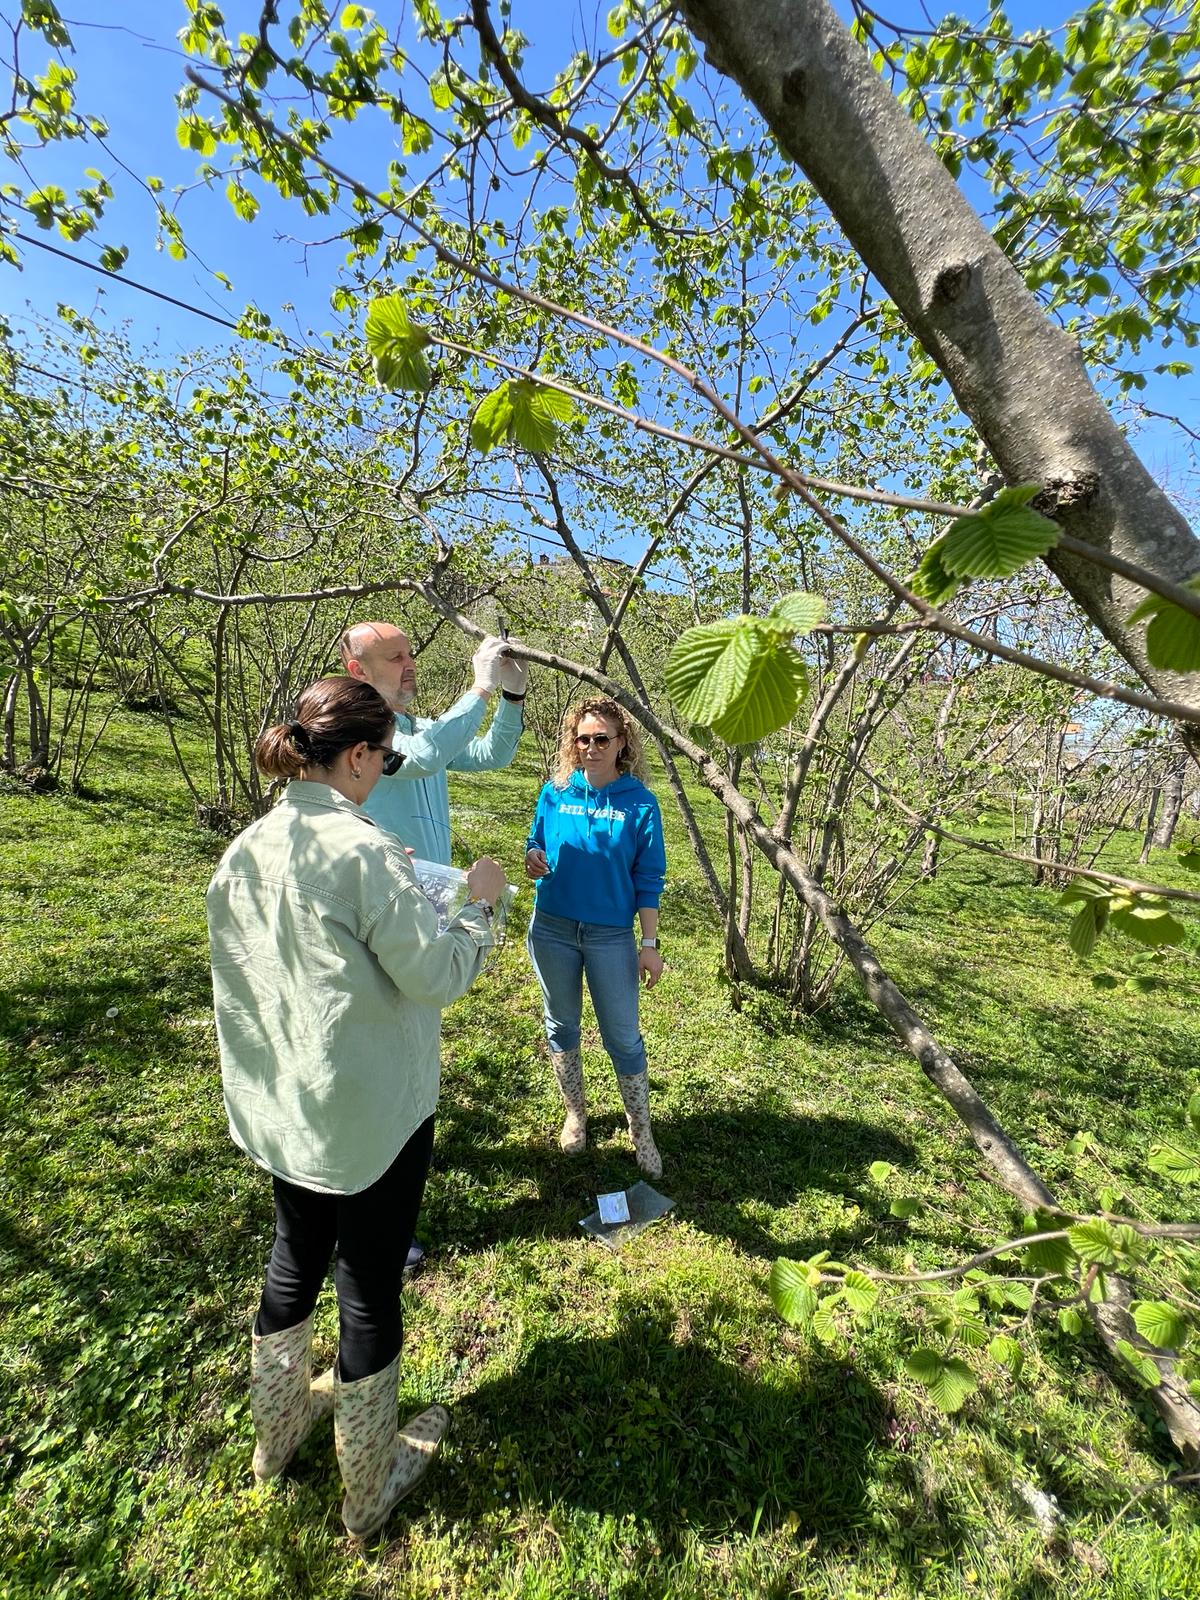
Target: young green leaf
1096 1243
931 580
537 413
824 1323
948 1379
1159 1323
492 419
860 1292
904 1207
1170 1162
1006 1352
1071 1321
999 539
880 1171
1140 1364
737 677
798 613
790 1294
1148 924
397 345
1173 635
1192 1111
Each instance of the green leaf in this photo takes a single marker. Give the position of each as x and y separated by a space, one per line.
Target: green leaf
790 1294
1140 1364
113 257
537 413
859 1292
799 613
397 345
824 1324
492 419
739 678
998 539
1170 1162
1160 1323
1085 928
931 580
1006 1352
1192 1111
1103 1244
906 1206
948 1379
1173 635
1071 1321
880 1171
1148 924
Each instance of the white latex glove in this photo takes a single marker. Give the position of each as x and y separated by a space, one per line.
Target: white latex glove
487 664
514 674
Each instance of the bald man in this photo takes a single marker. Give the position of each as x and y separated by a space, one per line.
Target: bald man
414 803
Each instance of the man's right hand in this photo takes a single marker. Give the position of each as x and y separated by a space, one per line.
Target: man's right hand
487 664
486 880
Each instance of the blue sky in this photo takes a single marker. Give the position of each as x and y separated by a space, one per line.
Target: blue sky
129 72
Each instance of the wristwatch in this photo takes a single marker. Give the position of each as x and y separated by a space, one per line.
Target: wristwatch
516 699
649 944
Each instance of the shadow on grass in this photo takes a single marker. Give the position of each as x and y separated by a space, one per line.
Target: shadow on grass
648 1424
715 1164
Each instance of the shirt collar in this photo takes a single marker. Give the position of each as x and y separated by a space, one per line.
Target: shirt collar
305 791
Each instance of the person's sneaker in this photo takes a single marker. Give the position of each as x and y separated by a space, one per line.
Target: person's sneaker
416 1260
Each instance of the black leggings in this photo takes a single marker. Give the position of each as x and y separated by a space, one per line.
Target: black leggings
371 1232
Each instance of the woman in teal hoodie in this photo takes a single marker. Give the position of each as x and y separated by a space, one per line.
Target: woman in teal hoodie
596 852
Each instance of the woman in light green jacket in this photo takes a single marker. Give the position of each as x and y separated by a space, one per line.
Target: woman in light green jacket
329 978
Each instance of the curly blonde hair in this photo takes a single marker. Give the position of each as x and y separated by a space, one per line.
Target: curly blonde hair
632 758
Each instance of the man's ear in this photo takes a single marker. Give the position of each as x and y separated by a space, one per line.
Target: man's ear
354 669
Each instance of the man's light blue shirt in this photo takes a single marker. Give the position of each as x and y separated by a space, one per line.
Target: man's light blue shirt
414 804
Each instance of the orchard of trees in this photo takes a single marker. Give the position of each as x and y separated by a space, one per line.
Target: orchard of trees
779 369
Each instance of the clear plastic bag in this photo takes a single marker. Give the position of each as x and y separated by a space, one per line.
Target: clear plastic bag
446 890
646 1206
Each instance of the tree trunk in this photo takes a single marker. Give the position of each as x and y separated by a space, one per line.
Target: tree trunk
1172 799
1018 377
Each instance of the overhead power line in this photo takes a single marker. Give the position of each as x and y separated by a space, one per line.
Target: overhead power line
132 283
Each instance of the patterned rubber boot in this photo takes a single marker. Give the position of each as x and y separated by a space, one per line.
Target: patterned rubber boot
284 1401
568 1070
379 1463
635 1092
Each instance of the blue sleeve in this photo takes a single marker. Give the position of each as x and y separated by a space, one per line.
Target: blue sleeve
537 831
433 748
650 857
495 748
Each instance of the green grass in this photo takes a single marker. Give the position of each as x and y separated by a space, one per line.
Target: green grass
634 1426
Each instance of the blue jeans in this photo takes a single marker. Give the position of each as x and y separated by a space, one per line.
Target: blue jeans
564 952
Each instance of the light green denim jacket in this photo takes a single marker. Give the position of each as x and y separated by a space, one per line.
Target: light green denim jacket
329 979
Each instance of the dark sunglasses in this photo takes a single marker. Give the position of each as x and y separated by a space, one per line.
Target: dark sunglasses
582 740
393 760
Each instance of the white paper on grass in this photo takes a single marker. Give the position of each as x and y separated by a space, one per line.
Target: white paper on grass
613 1207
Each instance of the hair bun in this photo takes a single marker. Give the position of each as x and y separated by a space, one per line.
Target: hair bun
298 733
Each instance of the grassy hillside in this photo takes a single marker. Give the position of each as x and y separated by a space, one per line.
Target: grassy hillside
635 1426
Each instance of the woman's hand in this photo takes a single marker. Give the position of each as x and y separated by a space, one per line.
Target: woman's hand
536 865
650 965
486 880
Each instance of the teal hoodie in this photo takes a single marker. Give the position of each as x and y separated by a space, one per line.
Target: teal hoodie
604 847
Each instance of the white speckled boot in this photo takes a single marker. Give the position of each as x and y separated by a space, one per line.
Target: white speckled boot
635 1092
379 1463
284 1401
568 1070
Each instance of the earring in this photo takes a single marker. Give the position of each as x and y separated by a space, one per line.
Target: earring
356 772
